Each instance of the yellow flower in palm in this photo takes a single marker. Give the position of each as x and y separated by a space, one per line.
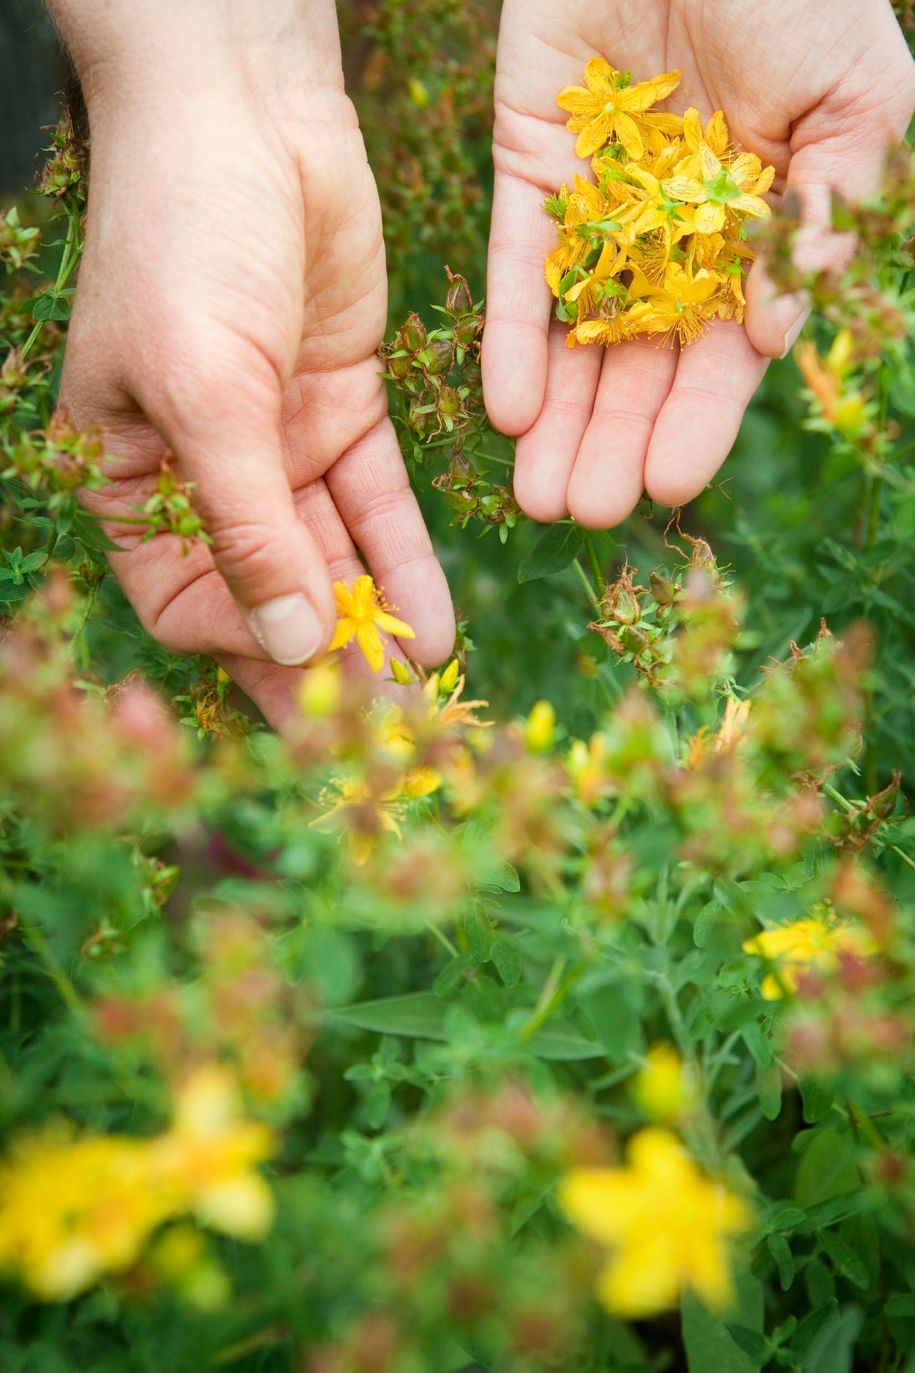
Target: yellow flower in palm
607 108
72 1210
715 187
668 1227
812 945
361 615
584 207
206 1160
679 308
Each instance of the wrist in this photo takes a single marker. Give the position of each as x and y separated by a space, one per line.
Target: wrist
129 50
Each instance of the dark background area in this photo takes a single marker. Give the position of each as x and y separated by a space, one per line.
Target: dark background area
31 74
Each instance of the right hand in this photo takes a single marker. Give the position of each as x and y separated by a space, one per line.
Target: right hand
231 300
819 90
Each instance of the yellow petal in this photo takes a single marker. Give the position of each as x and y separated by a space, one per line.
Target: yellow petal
363 598
576 100
372 648
594 135
599 76
344 631
241 1206
344 598
648 93
750 205
692 129
708 219
716 133
685 188
627 133
391 625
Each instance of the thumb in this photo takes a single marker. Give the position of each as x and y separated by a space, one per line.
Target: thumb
846 152
228 441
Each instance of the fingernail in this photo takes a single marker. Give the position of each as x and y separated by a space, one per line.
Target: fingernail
792 333
288 629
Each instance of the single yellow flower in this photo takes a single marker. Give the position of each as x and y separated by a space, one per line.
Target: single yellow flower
666 1223
361 615
680 308
811 945
714 186
607 108
207 1158
540 727
664 1087
72 1210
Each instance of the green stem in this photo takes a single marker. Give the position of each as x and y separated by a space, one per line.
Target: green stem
585 581
594 561
69 258
443 939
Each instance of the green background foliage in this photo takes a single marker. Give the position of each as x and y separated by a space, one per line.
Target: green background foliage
457 1022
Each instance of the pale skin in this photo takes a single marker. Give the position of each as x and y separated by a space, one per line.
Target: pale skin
231 299
233 293
818 89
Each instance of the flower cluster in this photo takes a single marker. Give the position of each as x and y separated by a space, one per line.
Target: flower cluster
656 245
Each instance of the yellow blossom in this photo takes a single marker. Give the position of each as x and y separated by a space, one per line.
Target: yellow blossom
655 247
72 1210
361 615
540 727
207 1158
812 945
607 107
664 1087
666 1223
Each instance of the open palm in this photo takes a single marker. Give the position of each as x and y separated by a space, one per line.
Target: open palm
818 91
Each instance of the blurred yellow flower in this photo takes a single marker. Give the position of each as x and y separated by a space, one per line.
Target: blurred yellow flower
207 1157
664 1087
607 108
540 727
666 1223
814 944
72 1210
361 615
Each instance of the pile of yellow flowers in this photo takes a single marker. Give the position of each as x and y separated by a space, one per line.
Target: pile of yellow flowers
657 246
73 1208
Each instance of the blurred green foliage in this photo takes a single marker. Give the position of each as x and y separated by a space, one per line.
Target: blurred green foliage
442 997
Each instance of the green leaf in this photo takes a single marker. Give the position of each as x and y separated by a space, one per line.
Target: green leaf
561 1045
769 1091
900 1304
50 306
833 1348
479 932
844 1259
91 534
507 962
421 1015
709 1345
780 1250
817 1099
556 548
827 1169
